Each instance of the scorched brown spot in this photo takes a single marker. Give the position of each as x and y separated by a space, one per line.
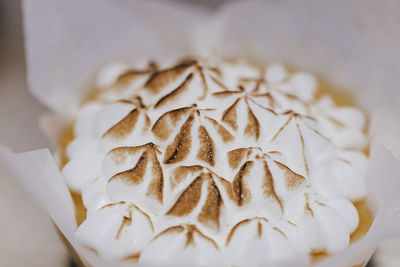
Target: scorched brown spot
222 131
190 232
125 126
181 173
128 76
307 209
127 220
303 149
280 231
165 125
163 78
193 230
235 157
188 200
210 211
269 187
253 126
137 174
245 222
230 116
180 147
259 230
133 257
172 96
157 184
203 81
240 192
292 179
207 148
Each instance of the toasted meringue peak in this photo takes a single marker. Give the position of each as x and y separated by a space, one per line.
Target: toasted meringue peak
125 227
215 163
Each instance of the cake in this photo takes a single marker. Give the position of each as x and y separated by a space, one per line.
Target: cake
215 163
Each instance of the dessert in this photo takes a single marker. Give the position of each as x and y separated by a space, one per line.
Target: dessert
216 163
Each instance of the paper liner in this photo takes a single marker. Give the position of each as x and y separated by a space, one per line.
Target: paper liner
67 41
352 44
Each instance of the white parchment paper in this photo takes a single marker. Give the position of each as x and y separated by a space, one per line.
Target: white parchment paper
353 44
66 41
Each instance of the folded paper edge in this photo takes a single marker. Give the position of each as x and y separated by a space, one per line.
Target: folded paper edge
49 189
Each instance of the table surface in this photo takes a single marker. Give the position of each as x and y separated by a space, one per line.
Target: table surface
28 237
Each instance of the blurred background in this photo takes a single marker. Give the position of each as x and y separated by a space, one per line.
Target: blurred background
27 237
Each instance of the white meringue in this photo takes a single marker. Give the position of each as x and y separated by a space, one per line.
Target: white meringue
215 164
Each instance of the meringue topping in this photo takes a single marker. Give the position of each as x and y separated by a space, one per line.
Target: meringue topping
210 163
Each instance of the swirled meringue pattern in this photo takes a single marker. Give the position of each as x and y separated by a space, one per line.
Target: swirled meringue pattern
215 164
